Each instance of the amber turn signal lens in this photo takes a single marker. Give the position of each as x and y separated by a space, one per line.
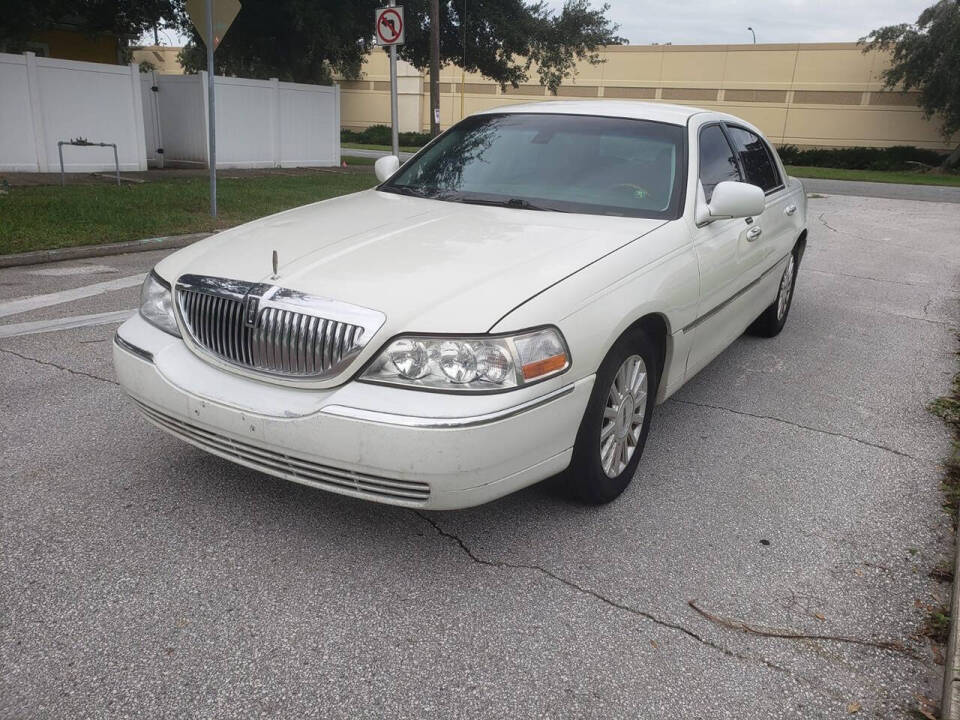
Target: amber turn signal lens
545 366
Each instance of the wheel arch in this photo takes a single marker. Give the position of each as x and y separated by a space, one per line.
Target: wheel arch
801 245
655 326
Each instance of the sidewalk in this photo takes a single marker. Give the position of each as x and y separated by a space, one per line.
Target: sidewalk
889 191
358 152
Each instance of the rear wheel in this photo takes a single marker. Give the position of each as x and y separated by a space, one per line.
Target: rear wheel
771 322
614 428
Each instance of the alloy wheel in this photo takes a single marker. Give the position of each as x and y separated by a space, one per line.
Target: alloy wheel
786 289
623 416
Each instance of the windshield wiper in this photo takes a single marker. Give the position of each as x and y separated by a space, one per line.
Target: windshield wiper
518 203
410 190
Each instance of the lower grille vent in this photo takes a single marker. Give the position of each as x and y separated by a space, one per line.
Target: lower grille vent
287 466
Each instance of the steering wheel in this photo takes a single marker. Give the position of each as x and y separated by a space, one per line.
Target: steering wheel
638 192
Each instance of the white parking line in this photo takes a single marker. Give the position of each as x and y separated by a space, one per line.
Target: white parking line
42 326
35 302
73 270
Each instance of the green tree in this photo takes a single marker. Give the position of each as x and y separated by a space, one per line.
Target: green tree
19 19
310 40
505 39
925 56
294 40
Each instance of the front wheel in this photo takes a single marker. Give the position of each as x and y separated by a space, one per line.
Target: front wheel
772 320
614 428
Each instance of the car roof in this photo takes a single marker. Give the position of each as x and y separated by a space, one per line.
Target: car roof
634 109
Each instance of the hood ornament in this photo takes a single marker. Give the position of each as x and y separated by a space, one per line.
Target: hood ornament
274 276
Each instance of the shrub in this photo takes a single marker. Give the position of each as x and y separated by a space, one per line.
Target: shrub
376 135
380 135
899 157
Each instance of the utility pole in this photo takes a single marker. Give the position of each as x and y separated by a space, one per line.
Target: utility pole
463 69
434 68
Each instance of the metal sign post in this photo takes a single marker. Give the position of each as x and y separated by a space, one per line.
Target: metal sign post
390 31
212 21
394 102
212 122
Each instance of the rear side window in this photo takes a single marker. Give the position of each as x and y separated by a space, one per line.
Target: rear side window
717 160
755 158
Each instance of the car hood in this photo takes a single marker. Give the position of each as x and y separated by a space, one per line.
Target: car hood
429 266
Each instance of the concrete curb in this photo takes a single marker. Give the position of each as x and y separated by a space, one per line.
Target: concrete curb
950 701
89 251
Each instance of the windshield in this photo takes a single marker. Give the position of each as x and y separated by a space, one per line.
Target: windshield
564 163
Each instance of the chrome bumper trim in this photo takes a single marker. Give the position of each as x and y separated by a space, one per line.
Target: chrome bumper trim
131 348
441 423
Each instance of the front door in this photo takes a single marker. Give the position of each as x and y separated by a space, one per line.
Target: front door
729 252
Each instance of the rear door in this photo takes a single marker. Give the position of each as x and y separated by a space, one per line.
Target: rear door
776 224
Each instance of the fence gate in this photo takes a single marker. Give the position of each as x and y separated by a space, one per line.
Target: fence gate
150 92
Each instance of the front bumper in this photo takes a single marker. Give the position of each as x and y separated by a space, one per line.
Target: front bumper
392 445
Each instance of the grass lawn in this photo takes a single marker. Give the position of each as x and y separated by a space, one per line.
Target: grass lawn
352 160
365 146
907 177
49 216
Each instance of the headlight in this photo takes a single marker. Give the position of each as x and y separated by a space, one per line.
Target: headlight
156 304
471 364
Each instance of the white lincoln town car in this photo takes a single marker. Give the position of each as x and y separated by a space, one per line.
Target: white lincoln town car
507 306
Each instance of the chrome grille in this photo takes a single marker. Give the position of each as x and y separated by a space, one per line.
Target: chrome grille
290 467
271 329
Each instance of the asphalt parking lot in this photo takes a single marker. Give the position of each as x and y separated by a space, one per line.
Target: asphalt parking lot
792 488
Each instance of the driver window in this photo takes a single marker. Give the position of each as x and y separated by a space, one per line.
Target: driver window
717 160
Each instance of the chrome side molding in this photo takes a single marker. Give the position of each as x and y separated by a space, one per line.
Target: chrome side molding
131 348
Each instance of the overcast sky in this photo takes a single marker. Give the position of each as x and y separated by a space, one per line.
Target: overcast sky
685 22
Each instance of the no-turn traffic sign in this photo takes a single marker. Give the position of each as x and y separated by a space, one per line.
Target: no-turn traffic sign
389 26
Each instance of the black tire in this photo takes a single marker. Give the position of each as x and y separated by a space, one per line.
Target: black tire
772 320
586 479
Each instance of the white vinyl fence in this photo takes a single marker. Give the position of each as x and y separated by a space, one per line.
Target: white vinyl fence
43 101
260 123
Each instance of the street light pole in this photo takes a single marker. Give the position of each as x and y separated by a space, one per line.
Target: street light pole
754 35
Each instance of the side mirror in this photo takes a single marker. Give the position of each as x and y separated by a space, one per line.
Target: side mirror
736 200
386 166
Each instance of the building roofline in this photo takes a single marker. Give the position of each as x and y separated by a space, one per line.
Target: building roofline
743 47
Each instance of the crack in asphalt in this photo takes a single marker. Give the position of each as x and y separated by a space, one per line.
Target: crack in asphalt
500 564
867 240
867 277
592 593
806 427
941 323
59 367
825 223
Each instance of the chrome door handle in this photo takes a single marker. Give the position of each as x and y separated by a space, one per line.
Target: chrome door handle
790 209
753 233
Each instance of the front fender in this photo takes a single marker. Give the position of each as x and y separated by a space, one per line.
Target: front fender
657 274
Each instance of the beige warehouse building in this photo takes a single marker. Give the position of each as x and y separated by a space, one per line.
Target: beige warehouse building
822 94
